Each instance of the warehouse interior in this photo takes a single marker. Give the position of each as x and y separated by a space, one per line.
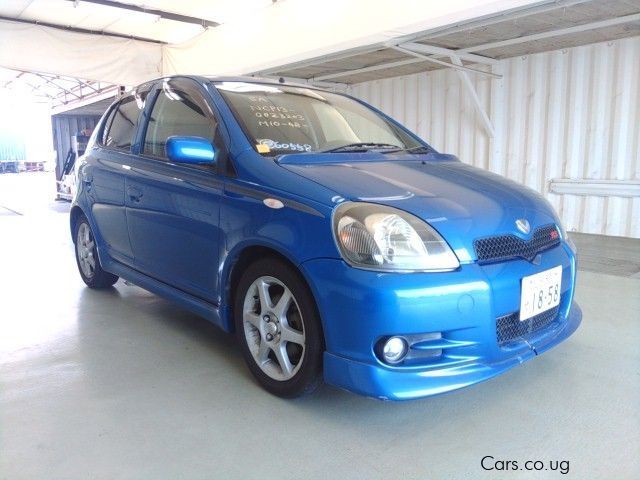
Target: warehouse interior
124 384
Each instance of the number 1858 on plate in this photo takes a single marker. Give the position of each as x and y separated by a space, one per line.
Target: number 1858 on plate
540 292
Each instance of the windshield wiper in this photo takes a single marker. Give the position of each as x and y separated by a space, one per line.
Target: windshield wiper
420 149
361 147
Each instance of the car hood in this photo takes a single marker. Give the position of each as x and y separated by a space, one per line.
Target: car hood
460 201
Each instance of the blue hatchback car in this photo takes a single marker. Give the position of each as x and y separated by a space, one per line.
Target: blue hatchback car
335 243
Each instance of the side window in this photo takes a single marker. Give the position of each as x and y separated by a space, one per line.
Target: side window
121 126
102 140
175 112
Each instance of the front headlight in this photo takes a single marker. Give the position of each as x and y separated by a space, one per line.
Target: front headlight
377 237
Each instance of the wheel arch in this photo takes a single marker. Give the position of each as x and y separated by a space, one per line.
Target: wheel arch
74 214
239 261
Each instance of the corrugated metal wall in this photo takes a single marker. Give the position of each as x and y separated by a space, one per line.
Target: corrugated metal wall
567 114
64 127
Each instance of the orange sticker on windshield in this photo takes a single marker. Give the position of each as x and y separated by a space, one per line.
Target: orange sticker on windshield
263 148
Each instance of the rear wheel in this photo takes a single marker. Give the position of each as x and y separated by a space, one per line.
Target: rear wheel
87 257
279 328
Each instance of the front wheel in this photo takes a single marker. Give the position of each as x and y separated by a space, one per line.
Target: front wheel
279 329
87 257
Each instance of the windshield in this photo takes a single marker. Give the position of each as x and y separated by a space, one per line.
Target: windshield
283 119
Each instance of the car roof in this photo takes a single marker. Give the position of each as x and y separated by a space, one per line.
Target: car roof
246 79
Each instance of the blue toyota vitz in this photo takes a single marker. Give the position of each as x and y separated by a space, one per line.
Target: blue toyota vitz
334 242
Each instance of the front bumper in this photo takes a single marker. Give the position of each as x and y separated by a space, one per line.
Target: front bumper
359 307
392 384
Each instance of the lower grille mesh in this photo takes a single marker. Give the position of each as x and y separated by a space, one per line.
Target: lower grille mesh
509 326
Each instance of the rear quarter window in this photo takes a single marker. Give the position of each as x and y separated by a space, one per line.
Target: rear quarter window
120 126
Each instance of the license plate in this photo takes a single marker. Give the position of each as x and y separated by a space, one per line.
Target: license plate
540 292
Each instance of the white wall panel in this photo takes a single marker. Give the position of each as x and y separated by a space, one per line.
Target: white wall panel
569 114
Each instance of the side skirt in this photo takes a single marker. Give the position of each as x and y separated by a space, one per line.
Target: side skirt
196 305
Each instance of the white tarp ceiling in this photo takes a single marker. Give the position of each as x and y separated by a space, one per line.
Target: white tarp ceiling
286 31
93 57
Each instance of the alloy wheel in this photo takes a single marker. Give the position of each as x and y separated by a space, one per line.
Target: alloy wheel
85 248
274 328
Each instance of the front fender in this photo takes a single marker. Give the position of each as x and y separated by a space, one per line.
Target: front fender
298 231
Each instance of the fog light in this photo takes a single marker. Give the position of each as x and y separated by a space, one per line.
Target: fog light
394 350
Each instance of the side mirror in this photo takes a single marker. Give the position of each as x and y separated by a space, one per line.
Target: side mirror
191 150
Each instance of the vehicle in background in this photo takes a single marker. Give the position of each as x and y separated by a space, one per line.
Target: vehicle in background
66 181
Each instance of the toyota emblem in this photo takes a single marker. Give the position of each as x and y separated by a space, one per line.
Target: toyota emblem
523 225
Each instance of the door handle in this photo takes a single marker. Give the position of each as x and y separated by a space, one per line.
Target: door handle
135 194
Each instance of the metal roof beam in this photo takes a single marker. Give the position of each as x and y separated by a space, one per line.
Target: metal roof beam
372 68
38 90
82 83
13 79
107 92
50 80
552 33
160 13
446 52
418 57
81 30
447 64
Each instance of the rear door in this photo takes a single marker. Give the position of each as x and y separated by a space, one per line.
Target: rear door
104 176
172 209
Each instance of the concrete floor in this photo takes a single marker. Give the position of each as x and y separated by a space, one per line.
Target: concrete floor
122 384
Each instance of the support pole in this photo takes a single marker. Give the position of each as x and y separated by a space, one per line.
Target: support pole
466 81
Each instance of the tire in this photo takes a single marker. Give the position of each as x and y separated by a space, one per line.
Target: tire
279 329
87 257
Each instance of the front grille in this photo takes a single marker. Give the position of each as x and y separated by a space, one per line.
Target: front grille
509 326
506 247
